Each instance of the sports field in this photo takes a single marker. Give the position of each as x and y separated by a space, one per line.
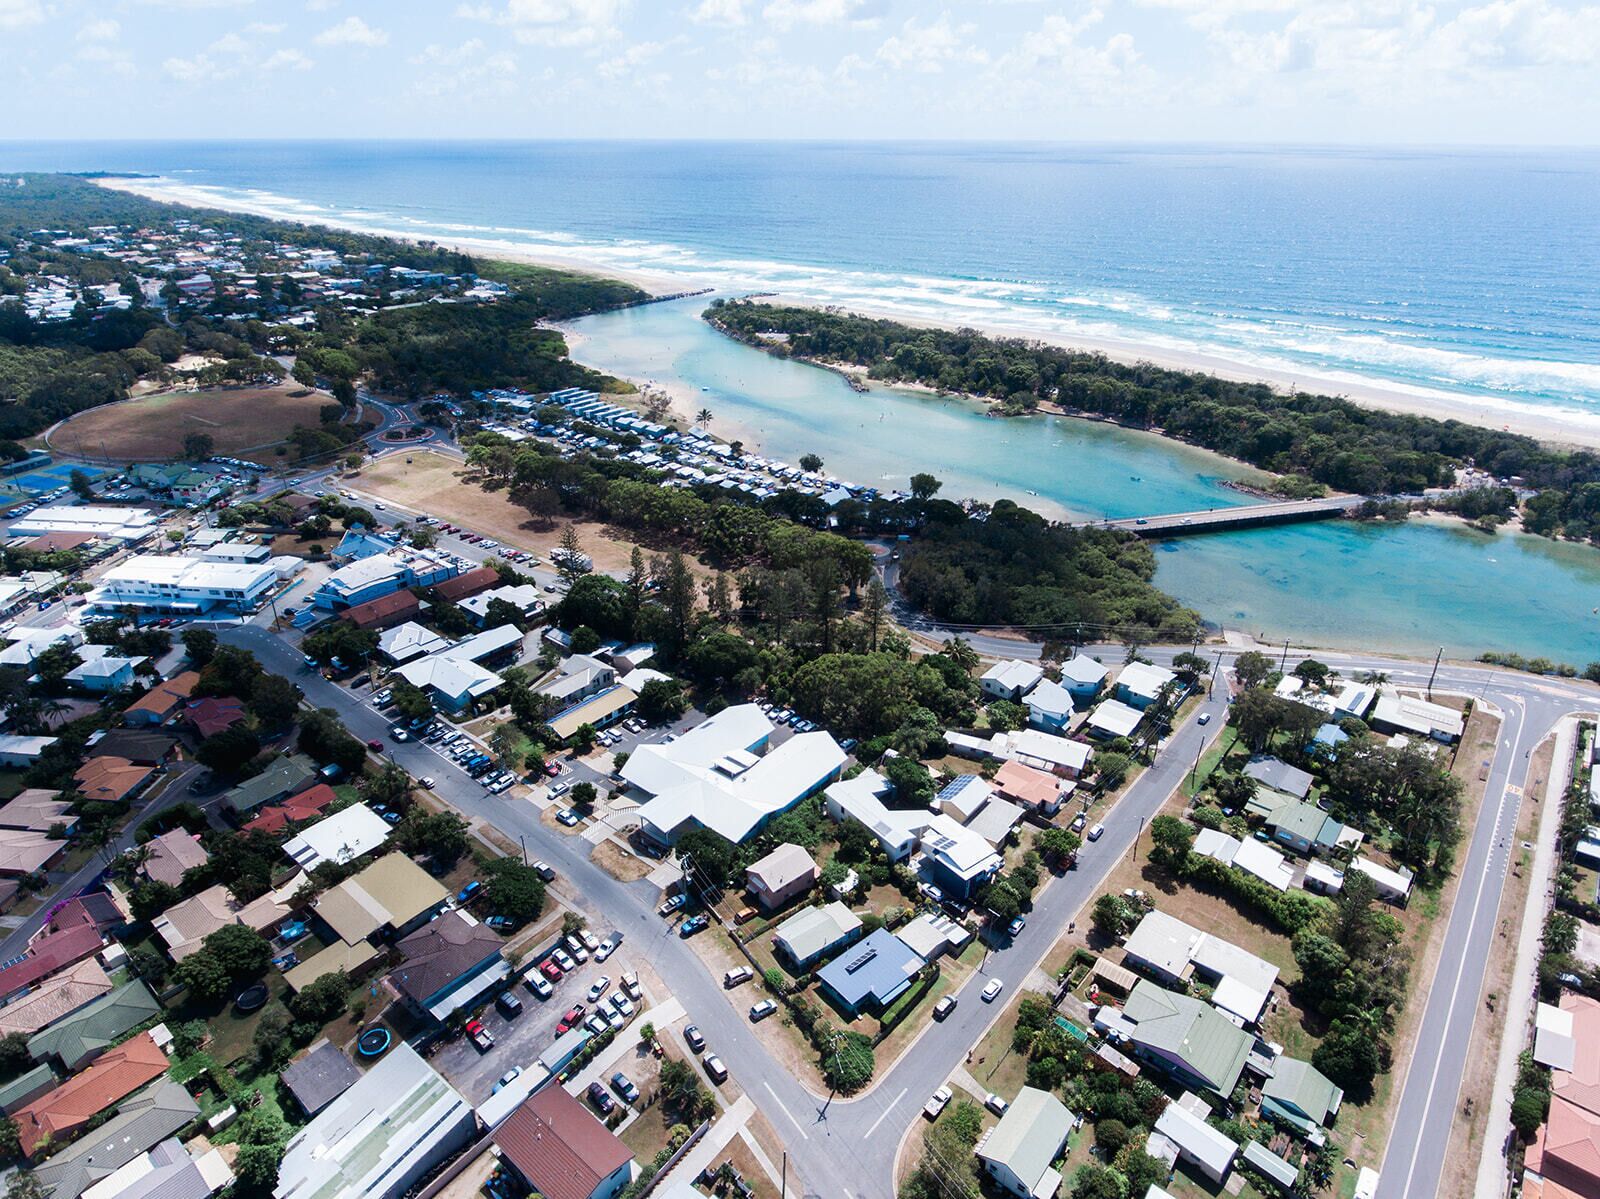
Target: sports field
245 422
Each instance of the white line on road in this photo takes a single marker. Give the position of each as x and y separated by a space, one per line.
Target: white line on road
886 1112
786 1110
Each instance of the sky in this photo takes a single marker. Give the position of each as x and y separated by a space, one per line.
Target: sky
1499 72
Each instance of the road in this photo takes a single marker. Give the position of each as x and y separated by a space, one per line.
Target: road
1209 520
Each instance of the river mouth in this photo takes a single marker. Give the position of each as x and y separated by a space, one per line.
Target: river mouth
1414 588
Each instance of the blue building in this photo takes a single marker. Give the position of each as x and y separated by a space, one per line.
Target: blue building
872 974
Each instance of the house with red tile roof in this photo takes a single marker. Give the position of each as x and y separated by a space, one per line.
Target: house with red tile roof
561 1150
48 954
111 780
308 805
171 854
162 702
467 583
61 1114
1564 1160
385 611
213 714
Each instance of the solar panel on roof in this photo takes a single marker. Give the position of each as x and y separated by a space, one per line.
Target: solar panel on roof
860 960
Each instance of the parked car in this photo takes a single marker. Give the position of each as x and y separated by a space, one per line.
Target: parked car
570 1019
545 871
622 1003
630 985
739 974
564 960
1205 718
540 986
936 1103
624 1087
480 1036
426 782
672 905
597 1024
991 990
601 1100
607 948
1016 926
567 817
599 987
760 1011
550 970
510 1006
694 924
1097 832
506 1079
590 941
695 1038
375 746
715 1068
995 1104
944 1007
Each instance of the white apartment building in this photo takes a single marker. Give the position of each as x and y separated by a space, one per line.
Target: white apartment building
190 585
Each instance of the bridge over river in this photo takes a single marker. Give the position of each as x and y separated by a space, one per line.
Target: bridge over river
1222 520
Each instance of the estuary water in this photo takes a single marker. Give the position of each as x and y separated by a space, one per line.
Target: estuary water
1417 587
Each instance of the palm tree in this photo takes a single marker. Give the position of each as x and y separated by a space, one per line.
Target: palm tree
1375 678
703 417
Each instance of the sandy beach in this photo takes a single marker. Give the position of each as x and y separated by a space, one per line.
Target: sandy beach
1556 426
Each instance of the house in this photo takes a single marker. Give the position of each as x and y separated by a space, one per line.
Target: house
102 672
523 597
342 838
162 702
62 1113
95 1027
933 934
1340 699
185 926
141 1123
1140 684
860 799
384 612
47 953
171 854
1307 829
167 1171
1396 713
37 810
295 810
285 777
580 677
25 1088
1393 883
380 575
597 712
468 583
410 640
1083 677
1172 951
1182 1036
1564 1160
1112 718
954 859
1033 790
995 821
24 644
813 933
1050 707
1279 775
962 796
320 1077
1011 679
452 684
1248 855
1207 1149
783 874
393 896
64 991
1042 751
380 1137
715 776
1018 1153
142 747
23 852
213 715
111 780
18 750
560 1151
869 976
448 964
1270 1166
1301 1096
357 544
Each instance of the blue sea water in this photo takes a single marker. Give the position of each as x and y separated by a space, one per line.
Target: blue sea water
1456 272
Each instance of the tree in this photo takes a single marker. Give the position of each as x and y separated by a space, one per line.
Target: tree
239 950
1058 843
513 890
199 645
703 417
569 563
15 1059
1098 1182
662 700
1112 916
55 662
1349 1056
810 462
1251 668
82 486
848 1063
924 487
583 796
274 700
442 836
228 751
203 976
1171 840
322 1000
303 374
1111 769
1005 715
1312 672
197 447
712 855
913 785
1529 1107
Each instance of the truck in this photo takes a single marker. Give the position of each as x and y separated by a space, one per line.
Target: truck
936 1103
571 559
479 1036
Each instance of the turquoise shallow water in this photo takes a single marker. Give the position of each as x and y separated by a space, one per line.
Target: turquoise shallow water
1414 588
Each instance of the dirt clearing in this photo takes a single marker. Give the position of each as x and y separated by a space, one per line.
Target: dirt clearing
241 422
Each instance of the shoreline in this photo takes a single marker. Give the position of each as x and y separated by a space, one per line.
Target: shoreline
1557 427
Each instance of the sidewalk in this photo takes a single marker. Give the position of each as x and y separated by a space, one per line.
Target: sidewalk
626 1042
715 1141
1518 1017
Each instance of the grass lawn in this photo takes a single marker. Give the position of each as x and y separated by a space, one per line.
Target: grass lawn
238 420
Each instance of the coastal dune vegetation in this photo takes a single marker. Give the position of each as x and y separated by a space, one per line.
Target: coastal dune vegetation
1310 441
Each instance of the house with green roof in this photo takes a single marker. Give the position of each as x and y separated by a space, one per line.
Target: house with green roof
22 1090
1307 829
284 778
1302 1097
1184 1037
93 1029
1019 1152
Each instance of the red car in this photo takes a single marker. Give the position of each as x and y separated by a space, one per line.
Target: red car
552 768
550 970
375 746
570 1020
480 1036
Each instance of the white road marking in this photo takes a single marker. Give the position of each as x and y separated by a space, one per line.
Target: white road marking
786 1110
885 1115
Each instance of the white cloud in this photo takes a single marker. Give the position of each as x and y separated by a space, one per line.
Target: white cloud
321 5
287 60
199 69
352 31
928 48
468 69
786 14
627 63
567 23
17 14
263 28
105 30
718 12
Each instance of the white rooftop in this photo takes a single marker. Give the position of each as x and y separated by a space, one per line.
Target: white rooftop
1144 680
1013 674
342 837
1170 945
409 640
1115 717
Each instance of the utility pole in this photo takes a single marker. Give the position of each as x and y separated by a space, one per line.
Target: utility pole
1136 837
1193 770
783 1185
1212 682
1432 673
1283 662
524 841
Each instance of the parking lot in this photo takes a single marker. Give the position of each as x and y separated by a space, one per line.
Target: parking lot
519 1040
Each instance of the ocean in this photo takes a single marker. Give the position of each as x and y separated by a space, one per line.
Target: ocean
1457 273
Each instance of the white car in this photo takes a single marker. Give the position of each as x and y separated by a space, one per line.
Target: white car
607 948
599 987
622 1003
991 990
590 941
